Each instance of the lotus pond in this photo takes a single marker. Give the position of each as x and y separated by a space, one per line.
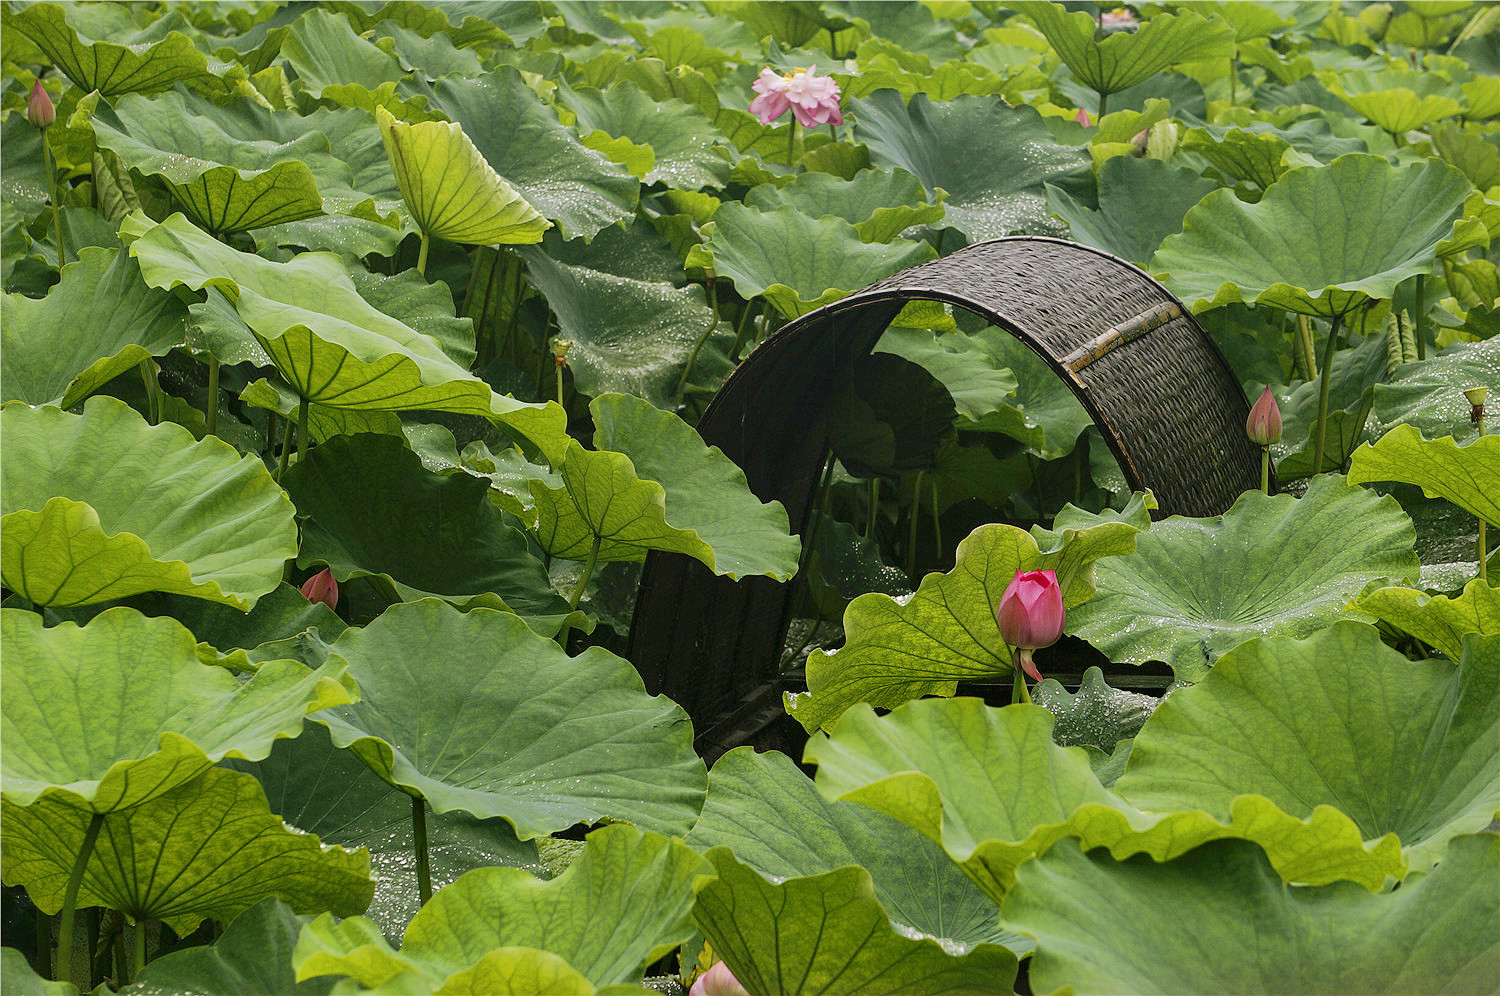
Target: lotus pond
352 358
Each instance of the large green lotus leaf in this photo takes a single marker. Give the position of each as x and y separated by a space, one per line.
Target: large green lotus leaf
683 142
1430 395
326 340
1395 100
797 262
113 714
829 934
218 195
624 902
1277 566
504 723
207 849
1402 747
253 955
452 542
1042 413
925 644
316 787
880 204
1437 620
977 382
888 416
150 62
1219 920
17 976
1141 202
627 334
1124 59
578 189
451 191
97 322
326 54
1323 239
1468 475
101 506
772 817
1012 792
992 160
654 485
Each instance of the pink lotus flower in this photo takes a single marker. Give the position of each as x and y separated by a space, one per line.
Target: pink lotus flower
1082 117
718 981
321 587
813 99
1119 19
39 109
1031 615
1264 424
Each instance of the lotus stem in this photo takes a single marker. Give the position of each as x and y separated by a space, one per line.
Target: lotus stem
56 191
743 326
137 950
153 403
1419 320
63 967
302 439
874 507
42 924
559 368
419 839
588 572
422 254
791 142
911 535
1325 381
286 450
937 522
211 412
1019 692
1481 544
1103 104
713 323
1305 351
1265 470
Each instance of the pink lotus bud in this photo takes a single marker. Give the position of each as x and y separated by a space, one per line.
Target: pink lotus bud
39 109
1264 424
1140 140
1082 117
321 587
718 981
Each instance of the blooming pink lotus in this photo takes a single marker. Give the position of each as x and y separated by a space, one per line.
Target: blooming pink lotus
321 587
718 981
1264 424
813 99
1031 615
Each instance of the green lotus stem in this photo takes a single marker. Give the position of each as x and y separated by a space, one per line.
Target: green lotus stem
422 255
137 952
302 438
1420 319
153 403
42 925
742 327
63 967
693 356
911 535
419 838
286 451
588 572
1103 103
1304 351
1265 470
937 522
1480 544
1018 690
559 367
874 507
56 191
791 142
211 412
1325 381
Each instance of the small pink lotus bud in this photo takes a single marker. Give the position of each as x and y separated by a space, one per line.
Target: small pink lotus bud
1082 117
1140 139
321 587
1031 615
39 109
718 981
1264 424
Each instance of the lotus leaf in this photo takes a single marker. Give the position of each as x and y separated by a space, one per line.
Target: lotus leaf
992 160
1141 202
828 933
77 532
450 190
683 142
523 141
454 543
1395 101
1124 59
1013 792
1439 621
1094 918
98 321
797 262
116 66
1096 715
17 976
624 902
253 955
1322 241
1277 566
772 817
888 416
654 485
326 340
581 742
926 644
1430 395
1468 476
978 383
1042 413
326 53
880 204
69 739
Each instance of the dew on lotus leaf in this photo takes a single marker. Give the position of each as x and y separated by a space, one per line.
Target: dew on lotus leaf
948 944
